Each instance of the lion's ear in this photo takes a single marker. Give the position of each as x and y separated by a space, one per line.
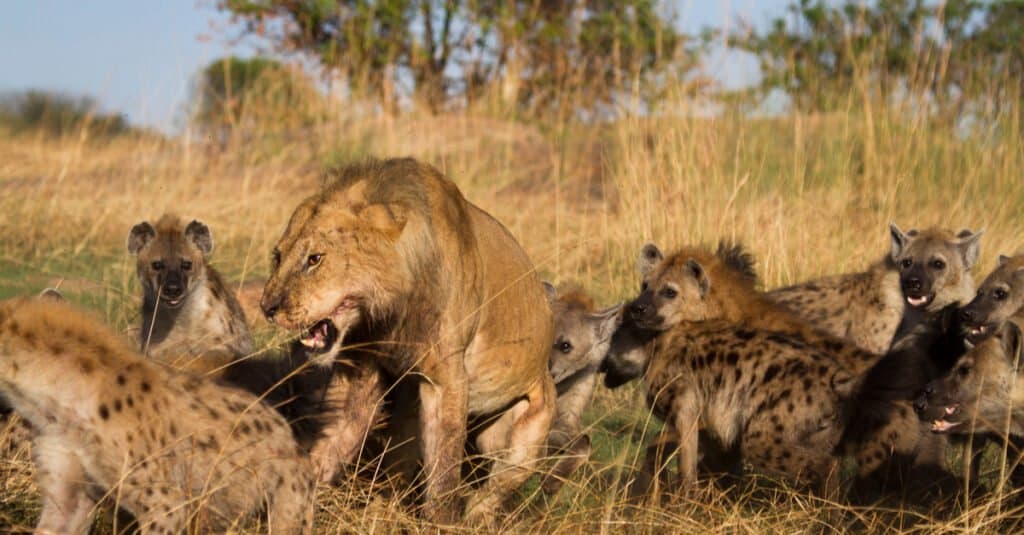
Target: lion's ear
389 219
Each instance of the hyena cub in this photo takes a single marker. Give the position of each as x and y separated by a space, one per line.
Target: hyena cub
582 336
924 271
178 451
984 392
190 319
897 456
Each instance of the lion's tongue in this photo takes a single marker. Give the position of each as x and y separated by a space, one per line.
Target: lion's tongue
316 337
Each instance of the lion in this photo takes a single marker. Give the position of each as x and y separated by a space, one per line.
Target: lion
390 261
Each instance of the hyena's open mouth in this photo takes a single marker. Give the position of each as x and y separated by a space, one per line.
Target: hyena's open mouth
942 425
920 300
977 333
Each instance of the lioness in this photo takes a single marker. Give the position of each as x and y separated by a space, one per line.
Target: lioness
389 260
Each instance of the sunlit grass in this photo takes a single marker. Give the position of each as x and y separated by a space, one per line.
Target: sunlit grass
808 194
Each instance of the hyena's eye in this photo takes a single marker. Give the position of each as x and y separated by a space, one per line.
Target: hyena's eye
275 258
643 286
314 260
906 263
938 264
1000 294
669 293
158 266
186 265
565 347
963 371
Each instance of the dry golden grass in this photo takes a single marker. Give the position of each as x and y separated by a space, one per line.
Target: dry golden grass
809 195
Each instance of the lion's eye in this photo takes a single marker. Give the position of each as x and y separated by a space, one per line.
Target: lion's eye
643 286
906 263
1000 294
565 347
669 293
314 260
938 264
276 258
963 371
186 265
158 266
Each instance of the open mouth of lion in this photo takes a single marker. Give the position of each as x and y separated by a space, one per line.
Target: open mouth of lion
942 425
325 333
321 335
920 301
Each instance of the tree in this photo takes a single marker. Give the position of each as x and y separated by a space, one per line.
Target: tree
59 114
941 49
233 92
440 52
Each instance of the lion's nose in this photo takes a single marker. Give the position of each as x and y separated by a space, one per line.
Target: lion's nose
272 305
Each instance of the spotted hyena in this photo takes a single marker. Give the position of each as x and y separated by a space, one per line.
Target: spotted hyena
924 271
190 319
897 456
1000 298
582 335
983 392
773 398
178 451
772 374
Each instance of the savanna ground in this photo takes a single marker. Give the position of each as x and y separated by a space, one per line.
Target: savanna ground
808 194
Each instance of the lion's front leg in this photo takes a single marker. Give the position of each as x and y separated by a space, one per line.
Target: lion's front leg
444 408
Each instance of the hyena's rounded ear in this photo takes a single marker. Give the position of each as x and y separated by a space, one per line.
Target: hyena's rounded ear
609 320
549 291
1003 259
698 272
649 257
139 236
969 244
899 241
200 235
1012 340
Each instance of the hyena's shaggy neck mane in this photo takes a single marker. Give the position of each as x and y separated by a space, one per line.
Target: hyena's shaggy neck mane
738 301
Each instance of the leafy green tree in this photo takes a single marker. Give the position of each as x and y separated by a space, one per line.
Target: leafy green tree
58 114
949 50
232 93
440 52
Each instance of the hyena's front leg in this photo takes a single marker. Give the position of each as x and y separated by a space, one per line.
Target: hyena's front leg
443 420
62 482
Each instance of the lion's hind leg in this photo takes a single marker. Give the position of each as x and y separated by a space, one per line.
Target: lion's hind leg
515 442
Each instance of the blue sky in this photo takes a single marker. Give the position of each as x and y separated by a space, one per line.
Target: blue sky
138 56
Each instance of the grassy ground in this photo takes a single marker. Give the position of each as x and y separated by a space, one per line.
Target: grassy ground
809 195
